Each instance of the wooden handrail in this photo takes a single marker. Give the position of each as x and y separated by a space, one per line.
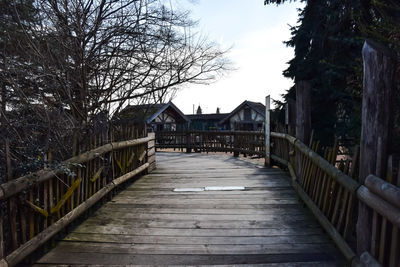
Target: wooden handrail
386 209
385 190
293 147
317 174
345 180
49 200
15 186
27 248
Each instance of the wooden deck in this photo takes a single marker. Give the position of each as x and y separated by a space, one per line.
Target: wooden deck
149 224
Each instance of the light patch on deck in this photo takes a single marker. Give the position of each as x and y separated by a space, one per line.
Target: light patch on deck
209 188
223 188
198 189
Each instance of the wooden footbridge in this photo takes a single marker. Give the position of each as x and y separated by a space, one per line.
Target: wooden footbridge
150 224
197 208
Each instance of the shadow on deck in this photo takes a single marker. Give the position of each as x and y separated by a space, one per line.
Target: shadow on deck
150 224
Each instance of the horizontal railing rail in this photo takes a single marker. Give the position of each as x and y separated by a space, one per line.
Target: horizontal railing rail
383 199
43 203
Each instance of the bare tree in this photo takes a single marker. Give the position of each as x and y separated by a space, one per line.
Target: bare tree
98 55
74 59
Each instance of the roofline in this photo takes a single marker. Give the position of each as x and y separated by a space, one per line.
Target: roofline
163 108
246 102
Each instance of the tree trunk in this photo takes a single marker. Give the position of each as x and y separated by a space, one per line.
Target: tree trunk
378 83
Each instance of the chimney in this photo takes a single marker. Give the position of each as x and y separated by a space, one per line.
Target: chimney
199 111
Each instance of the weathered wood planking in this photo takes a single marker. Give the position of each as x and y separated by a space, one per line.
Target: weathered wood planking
148 223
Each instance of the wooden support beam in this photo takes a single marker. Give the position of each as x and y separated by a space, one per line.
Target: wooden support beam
97 175
66 196
378 83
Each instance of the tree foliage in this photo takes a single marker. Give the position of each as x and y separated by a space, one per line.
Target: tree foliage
327 43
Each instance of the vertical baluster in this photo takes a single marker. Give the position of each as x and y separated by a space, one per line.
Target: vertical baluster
12 205
384 225
2 239
394 245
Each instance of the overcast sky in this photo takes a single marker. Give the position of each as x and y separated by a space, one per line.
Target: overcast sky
256 33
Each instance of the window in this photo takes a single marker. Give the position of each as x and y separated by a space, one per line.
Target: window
247 114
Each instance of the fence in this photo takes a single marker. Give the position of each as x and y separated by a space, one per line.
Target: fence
246 142
383 199
43 203
333 196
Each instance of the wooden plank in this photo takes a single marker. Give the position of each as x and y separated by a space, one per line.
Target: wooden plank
248 191
289 196
150 224
296 223
194 249
121 229
127 259
183 240
172 210
206 201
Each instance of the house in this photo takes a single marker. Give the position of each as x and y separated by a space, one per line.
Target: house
206 122
248 116
158 117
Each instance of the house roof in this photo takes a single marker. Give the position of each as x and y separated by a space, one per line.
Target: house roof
163 108
213 116
149 112
256 106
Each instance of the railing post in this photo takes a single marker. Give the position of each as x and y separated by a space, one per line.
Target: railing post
267 161
235 145
303 111
188 142
151 152
378 83
303 118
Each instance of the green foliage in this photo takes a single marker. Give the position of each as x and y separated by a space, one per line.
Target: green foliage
328 43
327 54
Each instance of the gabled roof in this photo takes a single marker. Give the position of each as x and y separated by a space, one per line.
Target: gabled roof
163 108
256 106
149 112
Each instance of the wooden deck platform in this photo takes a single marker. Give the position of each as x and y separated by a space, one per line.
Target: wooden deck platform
150 224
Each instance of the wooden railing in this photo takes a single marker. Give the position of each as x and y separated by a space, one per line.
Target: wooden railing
333 195
43 203
246 142
329 193
384 200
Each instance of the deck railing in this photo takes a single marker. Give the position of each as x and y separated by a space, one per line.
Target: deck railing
329 193
43 203
383 199
52 199
246 142
333 196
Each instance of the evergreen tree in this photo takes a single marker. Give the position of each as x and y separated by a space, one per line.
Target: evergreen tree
327 54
